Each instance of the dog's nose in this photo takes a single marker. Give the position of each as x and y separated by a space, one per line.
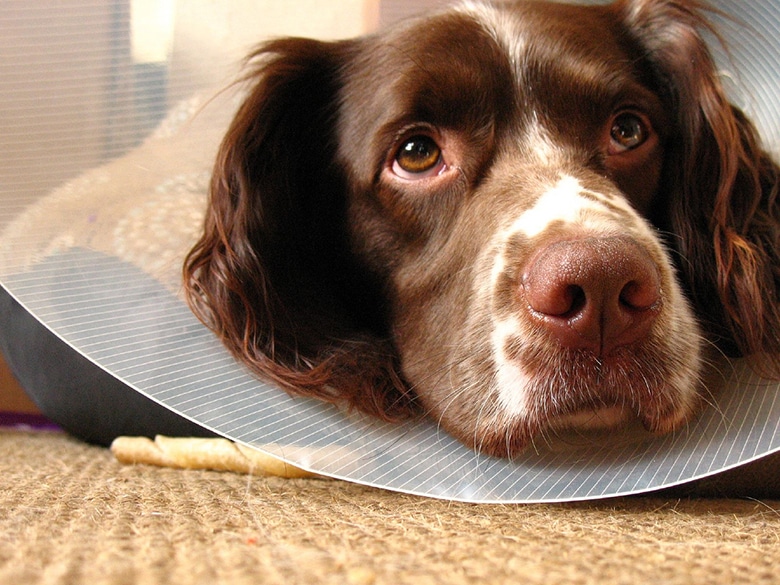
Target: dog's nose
596 294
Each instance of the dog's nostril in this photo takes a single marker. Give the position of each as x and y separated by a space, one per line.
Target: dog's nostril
596 294
639 295
574 301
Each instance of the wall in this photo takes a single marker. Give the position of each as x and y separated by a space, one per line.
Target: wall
71 96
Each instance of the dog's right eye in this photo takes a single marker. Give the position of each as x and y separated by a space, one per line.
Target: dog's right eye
418 157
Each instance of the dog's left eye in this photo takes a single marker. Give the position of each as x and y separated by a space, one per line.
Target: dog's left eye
628 132
419 157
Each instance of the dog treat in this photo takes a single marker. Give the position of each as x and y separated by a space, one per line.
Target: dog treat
197 453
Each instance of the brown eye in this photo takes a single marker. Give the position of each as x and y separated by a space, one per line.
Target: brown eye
418 157
627 133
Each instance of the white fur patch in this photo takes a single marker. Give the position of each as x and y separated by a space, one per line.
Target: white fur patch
511 380
538 142
501 25
561 203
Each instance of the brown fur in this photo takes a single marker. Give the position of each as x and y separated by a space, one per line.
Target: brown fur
331 281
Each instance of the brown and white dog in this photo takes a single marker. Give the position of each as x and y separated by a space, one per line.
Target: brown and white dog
511 218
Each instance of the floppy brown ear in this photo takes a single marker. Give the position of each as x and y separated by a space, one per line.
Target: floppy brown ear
722 188
272 274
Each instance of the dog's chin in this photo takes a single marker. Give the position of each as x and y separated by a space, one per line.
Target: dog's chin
584 427
596 419
614 420
588 397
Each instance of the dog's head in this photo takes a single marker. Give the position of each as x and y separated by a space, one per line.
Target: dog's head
510 218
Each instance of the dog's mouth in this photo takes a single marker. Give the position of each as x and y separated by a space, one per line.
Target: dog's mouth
618 416
592 419
518 436
587 396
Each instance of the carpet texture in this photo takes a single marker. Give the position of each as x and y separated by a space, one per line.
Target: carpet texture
69 513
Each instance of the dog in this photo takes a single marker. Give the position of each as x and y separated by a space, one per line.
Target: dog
513 218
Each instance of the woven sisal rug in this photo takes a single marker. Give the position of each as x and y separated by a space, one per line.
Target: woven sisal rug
69 513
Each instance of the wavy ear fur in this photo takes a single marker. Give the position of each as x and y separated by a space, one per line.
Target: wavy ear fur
722 188
272 274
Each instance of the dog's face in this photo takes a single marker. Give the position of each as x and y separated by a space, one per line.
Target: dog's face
480 195
501 170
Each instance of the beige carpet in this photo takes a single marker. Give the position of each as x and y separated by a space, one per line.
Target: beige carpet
70 514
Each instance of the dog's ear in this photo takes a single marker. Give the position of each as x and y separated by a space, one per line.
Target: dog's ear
272 274
722 188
